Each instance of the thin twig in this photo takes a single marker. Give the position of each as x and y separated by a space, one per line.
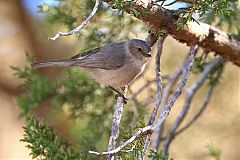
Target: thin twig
117 115
199 113
166 92
158 96
149 129
172 81
204 105
158 79
136 135
190 94
157 136
178 91
76 30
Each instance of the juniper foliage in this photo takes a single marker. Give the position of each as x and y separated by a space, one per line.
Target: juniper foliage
46 145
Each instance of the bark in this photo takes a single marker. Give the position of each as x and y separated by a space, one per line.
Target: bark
206 36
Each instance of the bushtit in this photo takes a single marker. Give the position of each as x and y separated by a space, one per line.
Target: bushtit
114 65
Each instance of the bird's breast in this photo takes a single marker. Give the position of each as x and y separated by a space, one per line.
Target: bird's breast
118 77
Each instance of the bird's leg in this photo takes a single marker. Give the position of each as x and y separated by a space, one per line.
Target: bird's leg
119 94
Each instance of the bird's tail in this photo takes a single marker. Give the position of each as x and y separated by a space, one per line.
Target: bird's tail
57 63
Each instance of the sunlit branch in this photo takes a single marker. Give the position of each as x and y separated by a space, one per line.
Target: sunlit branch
76 30
210 38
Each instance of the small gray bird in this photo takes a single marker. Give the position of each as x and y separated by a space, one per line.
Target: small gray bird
114 65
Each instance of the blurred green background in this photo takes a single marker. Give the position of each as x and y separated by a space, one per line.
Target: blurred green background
23 30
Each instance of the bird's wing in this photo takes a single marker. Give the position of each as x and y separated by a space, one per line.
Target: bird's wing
111 56
87 53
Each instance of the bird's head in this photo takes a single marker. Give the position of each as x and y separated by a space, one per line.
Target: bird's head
140 49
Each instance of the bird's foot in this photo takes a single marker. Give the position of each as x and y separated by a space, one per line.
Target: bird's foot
121 95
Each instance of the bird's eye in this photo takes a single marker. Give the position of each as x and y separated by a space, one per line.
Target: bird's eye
140 49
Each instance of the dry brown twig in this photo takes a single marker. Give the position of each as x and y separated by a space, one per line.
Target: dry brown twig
77 29
163 115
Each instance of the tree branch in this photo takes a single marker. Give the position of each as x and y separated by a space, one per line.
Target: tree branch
136 135
190 94
158 96
206 36
166 92
117 115
203 107
76 30
158 79
178 91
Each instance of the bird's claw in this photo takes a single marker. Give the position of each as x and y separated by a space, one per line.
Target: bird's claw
121 95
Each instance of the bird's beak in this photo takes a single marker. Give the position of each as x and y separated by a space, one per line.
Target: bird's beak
148 55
